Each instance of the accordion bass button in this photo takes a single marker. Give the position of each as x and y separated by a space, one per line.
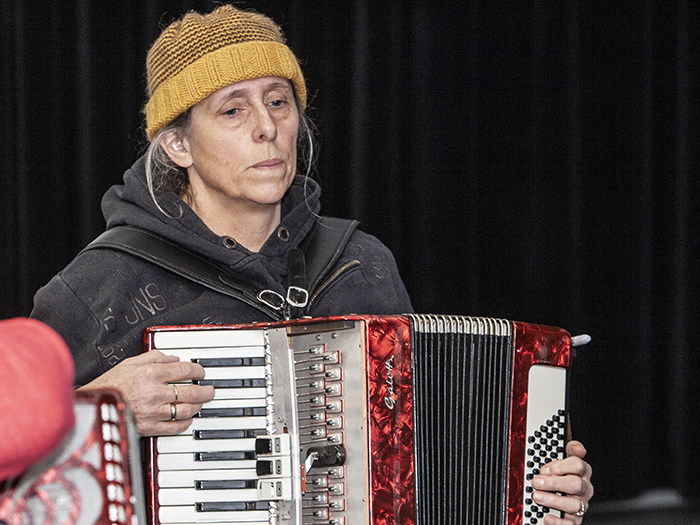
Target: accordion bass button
318 401
320 513
320 498
319 417
336 438
318 432
317 368
334 390
336 472
335 422
337 489
318 349
337 505
317 481
334 374
332 357
317 385
335 407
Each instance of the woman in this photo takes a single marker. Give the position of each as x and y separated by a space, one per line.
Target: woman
225 120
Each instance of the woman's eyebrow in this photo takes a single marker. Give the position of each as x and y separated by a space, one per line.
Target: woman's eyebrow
278 85
233 94
243 92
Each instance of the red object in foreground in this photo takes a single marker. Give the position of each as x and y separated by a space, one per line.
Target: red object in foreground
36 393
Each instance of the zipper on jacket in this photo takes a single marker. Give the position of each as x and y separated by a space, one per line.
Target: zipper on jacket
332 278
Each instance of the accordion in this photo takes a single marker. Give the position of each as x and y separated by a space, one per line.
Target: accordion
93 478
383 420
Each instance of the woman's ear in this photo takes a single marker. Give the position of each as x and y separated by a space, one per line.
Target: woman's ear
176 148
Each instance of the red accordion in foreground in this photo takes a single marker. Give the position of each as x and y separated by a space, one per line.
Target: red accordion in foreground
416 419
93 478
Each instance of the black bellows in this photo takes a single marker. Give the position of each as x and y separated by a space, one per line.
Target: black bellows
462 371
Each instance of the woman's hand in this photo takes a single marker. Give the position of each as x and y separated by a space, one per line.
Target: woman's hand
143 382
571 476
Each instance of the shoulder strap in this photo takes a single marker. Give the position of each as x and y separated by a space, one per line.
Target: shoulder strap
171 256
312 261
322 247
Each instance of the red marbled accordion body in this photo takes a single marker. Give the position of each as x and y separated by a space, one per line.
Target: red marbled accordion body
389 400
534 344
390 408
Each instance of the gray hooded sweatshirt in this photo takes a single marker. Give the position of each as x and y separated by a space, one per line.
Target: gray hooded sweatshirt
102 301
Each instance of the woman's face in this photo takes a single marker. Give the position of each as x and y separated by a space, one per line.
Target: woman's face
240 148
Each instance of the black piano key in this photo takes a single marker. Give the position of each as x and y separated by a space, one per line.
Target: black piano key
227 455
232 412
214 362
224 506
228 434
218 484
264 468
232 383
263 446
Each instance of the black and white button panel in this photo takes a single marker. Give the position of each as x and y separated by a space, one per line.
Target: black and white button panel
545 432
546 444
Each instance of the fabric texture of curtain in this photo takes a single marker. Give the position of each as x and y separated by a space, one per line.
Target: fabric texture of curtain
536 161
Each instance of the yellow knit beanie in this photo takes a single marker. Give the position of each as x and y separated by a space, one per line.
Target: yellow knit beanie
200 54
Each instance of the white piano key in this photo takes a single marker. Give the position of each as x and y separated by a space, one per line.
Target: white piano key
187 462
187 478
225 423
240 393
235 372
208 338
187 354
188 514
235 403
192 496
174 444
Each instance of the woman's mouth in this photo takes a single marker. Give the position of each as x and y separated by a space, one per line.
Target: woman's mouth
268 164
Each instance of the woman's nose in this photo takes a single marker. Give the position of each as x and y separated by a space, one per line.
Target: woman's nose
265 127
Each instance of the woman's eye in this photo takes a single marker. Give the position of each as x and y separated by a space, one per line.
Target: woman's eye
277 103
231 112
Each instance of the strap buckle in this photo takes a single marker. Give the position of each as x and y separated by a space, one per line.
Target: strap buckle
272 299
297 296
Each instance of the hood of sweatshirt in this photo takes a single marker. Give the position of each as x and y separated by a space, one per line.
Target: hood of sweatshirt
131 204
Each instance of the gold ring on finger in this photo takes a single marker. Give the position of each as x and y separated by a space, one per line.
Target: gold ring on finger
175 387
173 411
583 509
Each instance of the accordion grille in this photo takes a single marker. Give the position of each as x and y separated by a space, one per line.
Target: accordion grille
462 374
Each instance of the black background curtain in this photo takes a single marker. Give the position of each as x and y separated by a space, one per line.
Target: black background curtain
533 160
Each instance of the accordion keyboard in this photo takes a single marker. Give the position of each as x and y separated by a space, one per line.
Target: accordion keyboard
212 471
272 446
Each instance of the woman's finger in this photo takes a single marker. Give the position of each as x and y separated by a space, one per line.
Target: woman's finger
172 372
189 393
179 411
154 356
568 504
